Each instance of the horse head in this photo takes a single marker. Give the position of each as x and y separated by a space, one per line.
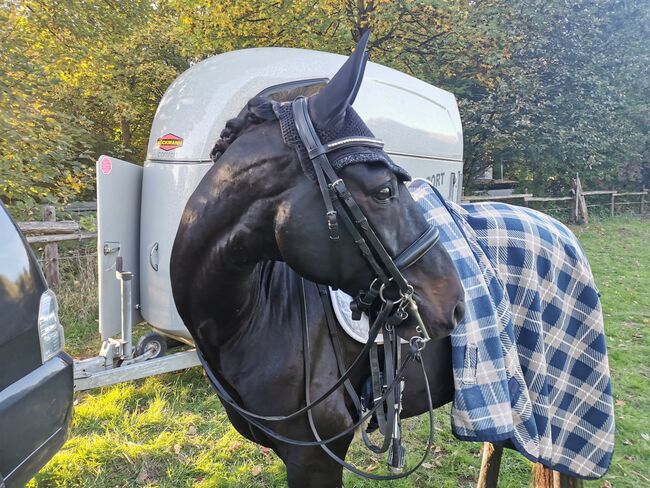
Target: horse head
262 197
377 186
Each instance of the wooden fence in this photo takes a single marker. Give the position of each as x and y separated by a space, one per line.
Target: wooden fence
49 231
579 209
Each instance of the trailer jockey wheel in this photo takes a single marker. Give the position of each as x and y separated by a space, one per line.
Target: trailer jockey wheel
152 343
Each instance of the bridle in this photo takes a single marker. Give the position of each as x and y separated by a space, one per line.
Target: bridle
340 204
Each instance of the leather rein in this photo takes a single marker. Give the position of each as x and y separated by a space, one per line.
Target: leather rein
387 388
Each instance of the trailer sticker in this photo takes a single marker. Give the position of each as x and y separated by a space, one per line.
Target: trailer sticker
106 165
169 142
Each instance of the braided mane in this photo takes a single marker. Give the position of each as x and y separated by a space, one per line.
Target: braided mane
260 109
257 110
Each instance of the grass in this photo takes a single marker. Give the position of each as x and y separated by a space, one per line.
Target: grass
171 431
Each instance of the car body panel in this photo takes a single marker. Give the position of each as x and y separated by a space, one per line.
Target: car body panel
35 414
21 286
35 396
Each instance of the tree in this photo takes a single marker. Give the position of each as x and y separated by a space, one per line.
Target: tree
81 78
550 87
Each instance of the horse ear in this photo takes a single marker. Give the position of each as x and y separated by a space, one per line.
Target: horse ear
328 106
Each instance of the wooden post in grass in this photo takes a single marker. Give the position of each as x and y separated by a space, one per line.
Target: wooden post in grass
489 475
51 250
576 205
580 212
544 477
642 202
612 196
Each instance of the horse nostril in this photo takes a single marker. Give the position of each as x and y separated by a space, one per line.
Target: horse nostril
459 312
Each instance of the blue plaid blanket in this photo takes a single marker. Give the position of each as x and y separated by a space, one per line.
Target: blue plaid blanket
529 359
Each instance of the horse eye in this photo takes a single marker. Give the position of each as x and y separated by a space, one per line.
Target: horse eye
384 194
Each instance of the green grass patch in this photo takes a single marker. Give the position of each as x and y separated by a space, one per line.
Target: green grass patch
171 430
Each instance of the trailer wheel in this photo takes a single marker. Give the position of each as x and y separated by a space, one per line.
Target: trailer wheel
152 343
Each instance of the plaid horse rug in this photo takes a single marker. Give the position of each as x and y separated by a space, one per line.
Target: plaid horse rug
529 358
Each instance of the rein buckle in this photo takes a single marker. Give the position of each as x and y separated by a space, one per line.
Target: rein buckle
333 225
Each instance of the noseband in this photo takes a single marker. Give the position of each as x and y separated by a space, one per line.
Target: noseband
340 203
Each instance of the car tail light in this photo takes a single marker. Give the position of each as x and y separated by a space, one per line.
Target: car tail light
50 330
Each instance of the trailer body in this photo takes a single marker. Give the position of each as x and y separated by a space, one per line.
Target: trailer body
139 207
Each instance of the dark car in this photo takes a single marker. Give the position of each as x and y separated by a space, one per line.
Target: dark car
36 381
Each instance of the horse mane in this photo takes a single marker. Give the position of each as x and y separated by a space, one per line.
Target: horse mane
260 109
257 111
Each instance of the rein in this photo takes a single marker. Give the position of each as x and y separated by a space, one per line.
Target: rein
255 419
397 455
340 205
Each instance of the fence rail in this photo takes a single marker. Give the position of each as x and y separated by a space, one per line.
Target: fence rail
50 231
492 198
44 239
580 208
81 207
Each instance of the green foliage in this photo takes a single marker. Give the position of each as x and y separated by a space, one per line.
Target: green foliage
549 87
575 74
80 78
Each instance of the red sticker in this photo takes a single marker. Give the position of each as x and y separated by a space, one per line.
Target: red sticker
169 142
106 165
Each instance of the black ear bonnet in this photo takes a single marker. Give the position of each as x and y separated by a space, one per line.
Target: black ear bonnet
331 114
352 125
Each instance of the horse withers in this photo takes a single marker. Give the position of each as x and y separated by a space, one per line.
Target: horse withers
256 226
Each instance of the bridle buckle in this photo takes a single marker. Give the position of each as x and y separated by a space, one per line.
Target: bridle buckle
333 225
335 185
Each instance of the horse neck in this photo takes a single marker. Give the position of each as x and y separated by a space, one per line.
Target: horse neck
229 229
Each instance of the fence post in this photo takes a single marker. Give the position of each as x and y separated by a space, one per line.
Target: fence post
611 204
575 213
642 203
544 477
51 250
581 203
489 475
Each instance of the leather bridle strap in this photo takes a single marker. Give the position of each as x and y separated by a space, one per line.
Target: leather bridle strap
339 202
378 258
380 320
418 248
333 327
255 419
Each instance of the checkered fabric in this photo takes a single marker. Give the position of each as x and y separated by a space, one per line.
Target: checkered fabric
530 362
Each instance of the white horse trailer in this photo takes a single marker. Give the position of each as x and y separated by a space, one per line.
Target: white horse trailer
139 207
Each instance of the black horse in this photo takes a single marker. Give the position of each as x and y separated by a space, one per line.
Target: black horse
254 226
